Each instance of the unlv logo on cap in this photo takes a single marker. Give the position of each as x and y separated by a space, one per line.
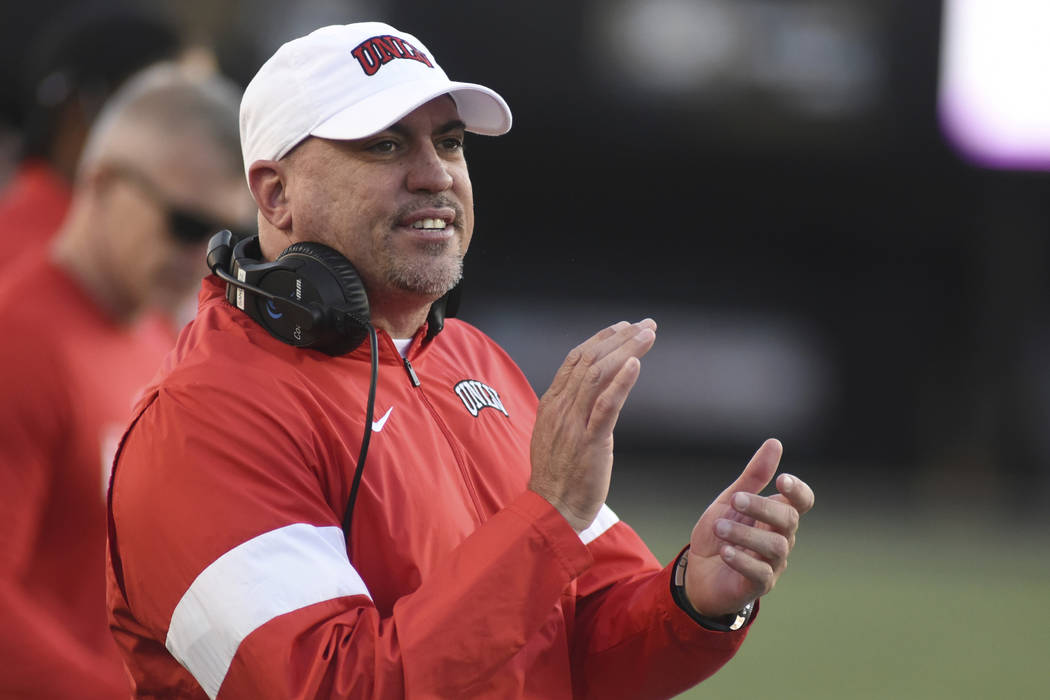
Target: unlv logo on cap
376 52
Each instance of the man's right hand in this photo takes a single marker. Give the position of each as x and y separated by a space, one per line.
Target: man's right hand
572 441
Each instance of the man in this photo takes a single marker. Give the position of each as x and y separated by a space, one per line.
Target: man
285 526
160 173
74 64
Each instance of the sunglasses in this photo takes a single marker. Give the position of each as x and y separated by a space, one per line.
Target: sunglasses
184 225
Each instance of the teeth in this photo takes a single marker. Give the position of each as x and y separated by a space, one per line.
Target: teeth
429 224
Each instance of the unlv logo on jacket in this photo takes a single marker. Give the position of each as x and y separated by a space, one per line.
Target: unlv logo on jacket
477 395
376 52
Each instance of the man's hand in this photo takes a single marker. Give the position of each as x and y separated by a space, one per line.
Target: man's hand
740 545
572 441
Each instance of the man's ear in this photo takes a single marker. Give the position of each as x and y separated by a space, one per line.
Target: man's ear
266 179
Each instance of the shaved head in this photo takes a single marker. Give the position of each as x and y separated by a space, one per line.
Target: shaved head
164 151
159 114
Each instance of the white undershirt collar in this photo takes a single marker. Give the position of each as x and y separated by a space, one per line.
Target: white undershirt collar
402 345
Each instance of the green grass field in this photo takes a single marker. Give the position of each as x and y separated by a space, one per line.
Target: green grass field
914 603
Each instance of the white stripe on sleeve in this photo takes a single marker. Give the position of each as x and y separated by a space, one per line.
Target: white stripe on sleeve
606 519
267 576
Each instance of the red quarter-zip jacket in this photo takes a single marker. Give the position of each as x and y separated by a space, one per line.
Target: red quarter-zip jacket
230 577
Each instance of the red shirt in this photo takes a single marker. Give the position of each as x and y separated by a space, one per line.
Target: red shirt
68 380
32 206
230 576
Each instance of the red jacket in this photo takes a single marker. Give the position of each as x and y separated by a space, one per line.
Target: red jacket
227 553
69 377
32 206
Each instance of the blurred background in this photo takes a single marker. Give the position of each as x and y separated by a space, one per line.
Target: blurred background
838 211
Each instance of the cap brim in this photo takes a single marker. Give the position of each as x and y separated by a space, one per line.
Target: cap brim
482 110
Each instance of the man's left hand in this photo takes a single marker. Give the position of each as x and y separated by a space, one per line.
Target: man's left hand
740 546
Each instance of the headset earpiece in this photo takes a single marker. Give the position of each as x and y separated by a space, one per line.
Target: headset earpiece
327 275
311 296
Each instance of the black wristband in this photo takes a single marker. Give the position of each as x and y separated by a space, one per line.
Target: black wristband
722 623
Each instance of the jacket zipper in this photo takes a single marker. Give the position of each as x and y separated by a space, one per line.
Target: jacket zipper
411 372
448 438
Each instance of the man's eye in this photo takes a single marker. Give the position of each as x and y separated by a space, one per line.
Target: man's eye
452 143
383 147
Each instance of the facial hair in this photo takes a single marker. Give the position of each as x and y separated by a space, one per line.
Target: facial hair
432 275
437 268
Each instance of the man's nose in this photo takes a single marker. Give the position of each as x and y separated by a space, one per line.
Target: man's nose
428 172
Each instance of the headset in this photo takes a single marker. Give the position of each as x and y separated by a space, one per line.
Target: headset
311 296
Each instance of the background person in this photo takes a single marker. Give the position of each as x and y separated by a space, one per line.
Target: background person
72 65
160 173
479 558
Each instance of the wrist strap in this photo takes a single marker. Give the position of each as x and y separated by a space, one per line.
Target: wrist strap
722 623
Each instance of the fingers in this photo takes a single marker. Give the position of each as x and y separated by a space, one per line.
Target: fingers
778 515
758 547
770 524
571 446
561 377
760 573
608 405
594 364
751 535
771 546
597 349
760 470
796 491
607 373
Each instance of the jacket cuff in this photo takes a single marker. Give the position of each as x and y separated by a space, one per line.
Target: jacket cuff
559 535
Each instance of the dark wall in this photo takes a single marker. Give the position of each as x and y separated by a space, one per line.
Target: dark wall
926 274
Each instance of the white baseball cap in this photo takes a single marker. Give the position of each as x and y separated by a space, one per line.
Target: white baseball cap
348 82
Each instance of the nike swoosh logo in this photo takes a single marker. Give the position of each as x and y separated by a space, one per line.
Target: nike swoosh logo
377 425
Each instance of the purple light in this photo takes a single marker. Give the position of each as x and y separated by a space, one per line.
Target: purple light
994 95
